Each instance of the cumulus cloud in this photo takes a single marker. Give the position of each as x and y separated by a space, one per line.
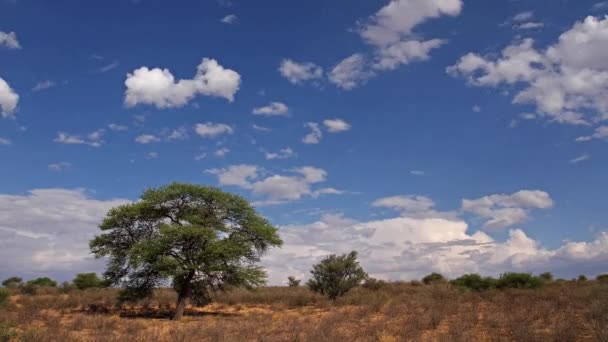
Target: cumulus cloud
600 133
283 153
277 188
412 206
8 99
501 210
221 152
46 232
298 73
336 125
117 127
567 81
272 109
146 139
94 139
315 135
406 248
158 87
212 130
351 72
9 40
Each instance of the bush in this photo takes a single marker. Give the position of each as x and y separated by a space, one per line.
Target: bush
66 287
373 284
29 289
602 278
433 278
335 275
547 276
43 282
582 278
12 282
518 281
4 297
87 281
474 282
293 282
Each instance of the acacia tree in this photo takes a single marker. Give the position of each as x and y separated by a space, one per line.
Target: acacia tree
200 239
335 275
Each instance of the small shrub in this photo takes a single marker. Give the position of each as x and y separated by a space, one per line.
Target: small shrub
416 283
602 278
87 281
12 282
474 282
433 278
66 287
547 276
29 289
518 281
4 297
335 275
581 278
43 282
373 284
293 282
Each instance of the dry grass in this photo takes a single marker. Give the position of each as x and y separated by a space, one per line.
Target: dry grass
566 311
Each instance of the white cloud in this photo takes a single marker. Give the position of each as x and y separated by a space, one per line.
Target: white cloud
272 109
501 210
212 130
417 172
236 175
477 109
152 155
158 87
222 152
283 153
94 139
117 127
46 232
412 206
405 52
108 67
523 16
8 99
567 82
60 166
351 72
5 142
315 135
531 25
579 159
147 139
230 19
298 73
336 125
9 40
260 128
43 85
180 133
601 132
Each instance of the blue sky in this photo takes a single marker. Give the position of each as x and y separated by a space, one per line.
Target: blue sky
476 125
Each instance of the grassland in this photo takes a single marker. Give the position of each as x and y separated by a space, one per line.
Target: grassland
560 311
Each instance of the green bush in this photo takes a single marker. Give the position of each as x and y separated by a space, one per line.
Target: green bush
434 278
582 278
373 284
518 281
66 287
87 281
293 282
335 275
4 297
474 282
12 282
43 282
602 278
547 276
29 289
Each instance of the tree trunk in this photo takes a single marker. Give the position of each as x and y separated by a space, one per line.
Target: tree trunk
182 297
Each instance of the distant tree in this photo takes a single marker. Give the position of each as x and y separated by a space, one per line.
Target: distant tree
546 276
293 282
519 281
43 282
66 287
373 284
602 278
582 278
335 275
87 281
199 238
474 282
434 278
12 282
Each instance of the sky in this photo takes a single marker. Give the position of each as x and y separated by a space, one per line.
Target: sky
450 136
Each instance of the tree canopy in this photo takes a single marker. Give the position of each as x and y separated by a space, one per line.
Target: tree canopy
199 239
87 281
335 275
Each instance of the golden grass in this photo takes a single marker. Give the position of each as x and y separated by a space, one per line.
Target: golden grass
566 311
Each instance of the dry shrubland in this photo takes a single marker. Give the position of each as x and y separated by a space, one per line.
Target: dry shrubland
559 311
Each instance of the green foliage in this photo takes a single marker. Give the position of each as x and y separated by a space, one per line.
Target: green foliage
4 297
546 276
87 281
29 289
581 278
518 281
42 282
293 282
12 282
373 284
602 278
434 278
335 275
474 282
199 238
